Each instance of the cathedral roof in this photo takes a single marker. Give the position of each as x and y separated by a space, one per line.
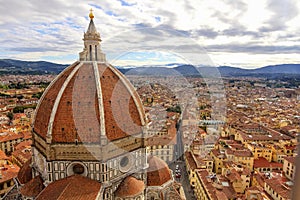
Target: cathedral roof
158 172
130 187
73 187
25 173
88 100
33 187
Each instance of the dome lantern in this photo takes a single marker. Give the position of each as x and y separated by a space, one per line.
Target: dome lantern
92 48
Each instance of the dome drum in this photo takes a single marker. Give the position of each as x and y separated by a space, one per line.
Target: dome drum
87 103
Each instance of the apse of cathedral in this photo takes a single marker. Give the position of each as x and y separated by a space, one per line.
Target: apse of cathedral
88 137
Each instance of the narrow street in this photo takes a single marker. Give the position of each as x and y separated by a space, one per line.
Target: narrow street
184 180
179 160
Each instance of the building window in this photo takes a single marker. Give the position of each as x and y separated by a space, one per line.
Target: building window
78 169
124 161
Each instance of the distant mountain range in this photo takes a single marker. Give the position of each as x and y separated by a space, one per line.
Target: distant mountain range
207 71
9 66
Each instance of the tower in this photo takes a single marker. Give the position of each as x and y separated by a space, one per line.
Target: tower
90 122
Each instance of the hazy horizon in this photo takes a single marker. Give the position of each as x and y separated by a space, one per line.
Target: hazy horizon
242 34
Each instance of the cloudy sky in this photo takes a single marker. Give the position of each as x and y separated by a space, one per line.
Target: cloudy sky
239 33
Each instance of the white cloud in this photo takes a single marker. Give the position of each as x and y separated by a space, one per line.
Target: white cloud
31 29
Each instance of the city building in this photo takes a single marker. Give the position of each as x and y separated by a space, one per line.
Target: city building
289 167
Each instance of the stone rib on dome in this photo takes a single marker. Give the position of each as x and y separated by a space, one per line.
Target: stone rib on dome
46 102
89 100
158 172
130 187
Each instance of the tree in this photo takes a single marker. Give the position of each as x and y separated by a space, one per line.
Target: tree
176 109
10 115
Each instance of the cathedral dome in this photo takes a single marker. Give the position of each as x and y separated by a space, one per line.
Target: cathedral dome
158 172
86 101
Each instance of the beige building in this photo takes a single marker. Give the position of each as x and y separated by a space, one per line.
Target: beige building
277 189
238 176
9 139
260 150
162 145
7 178
289 167
263 165
194 162
212 187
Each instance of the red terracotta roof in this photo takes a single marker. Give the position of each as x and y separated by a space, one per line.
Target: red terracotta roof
234 176
33 187
130 187
3 156
10 136
243 153
25 173
46 103
290 147
23 144
158 172
290 159
8 172
264 163
189 158
73 187
22 155
280 188
209 184
221 195
78 113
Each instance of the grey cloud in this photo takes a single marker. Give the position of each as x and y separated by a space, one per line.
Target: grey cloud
240 31
207 32
33 49
253 49
283 11
188 6
234 31
237 4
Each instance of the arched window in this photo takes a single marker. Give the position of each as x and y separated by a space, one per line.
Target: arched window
90 52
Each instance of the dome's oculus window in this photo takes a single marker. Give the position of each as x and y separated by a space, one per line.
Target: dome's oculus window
78 169
125 163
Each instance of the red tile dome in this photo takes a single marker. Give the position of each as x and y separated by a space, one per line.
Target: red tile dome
72 187
86 101
25 173
130 187
158 172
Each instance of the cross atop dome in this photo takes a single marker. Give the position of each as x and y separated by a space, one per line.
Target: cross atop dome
92 50
91 15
